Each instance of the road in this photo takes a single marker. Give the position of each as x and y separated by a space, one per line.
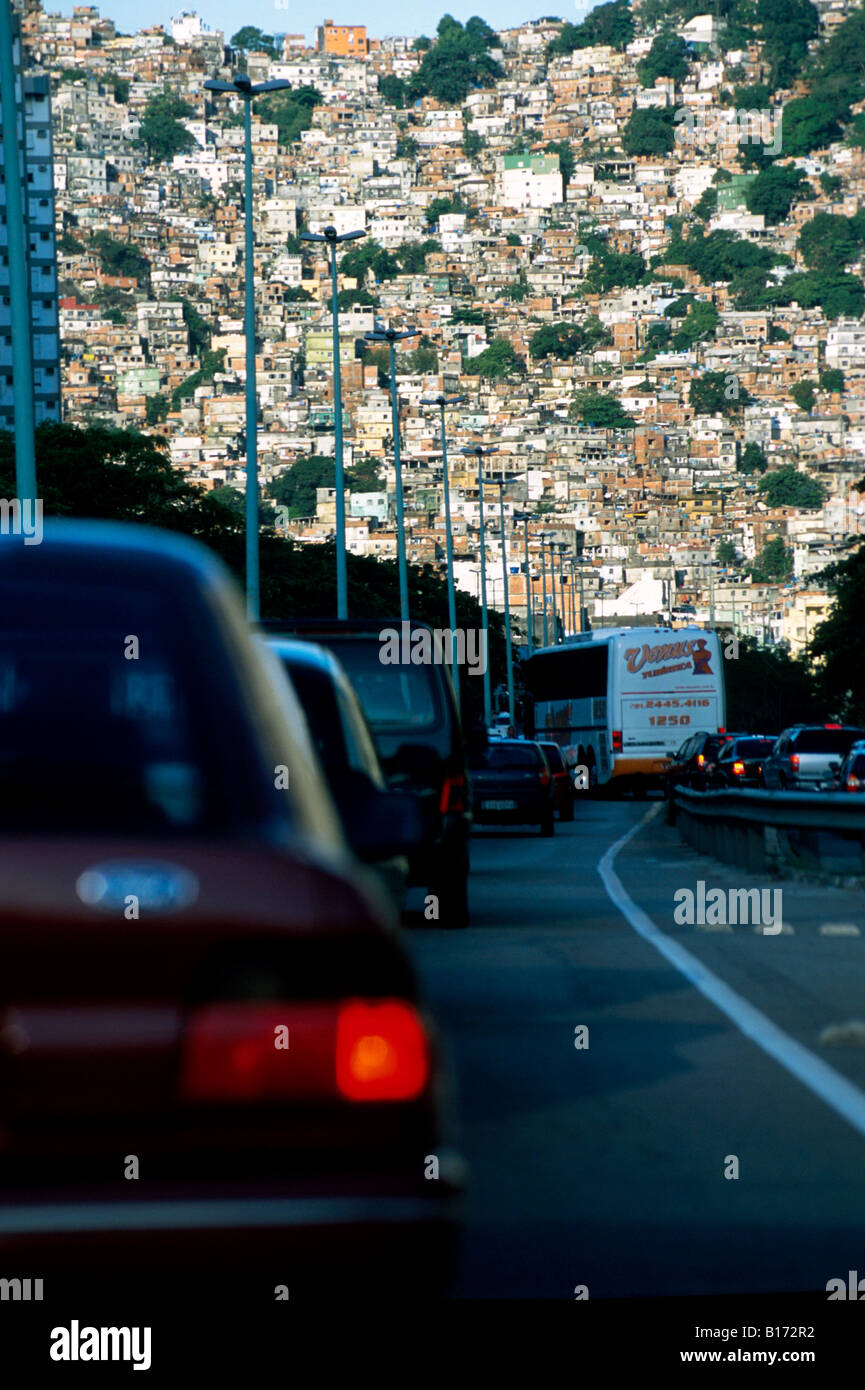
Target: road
605 1167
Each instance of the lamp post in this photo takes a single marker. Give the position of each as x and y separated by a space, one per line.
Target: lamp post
544 535
525 518
443 402
19 274
479 452
334 239
392 337
242 87
500 483
581 540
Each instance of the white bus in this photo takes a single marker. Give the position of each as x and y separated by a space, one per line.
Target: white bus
621 701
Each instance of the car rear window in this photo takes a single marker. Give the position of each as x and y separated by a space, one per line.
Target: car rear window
825 740
753 747
502 757
101 706
392 696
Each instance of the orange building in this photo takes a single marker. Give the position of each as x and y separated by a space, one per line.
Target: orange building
342 40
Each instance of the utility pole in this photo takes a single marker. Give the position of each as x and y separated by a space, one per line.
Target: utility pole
479 452
443 402
391 337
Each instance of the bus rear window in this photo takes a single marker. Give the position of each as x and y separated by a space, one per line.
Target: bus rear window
573 673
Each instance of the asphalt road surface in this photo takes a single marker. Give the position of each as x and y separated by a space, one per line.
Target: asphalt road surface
605 1166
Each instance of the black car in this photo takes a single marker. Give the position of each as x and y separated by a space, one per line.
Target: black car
196 973
512 785
693 765
740 762
380 824
563 787
414 717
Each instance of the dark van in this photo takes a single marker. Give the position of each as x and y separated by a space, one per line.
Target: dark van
413 713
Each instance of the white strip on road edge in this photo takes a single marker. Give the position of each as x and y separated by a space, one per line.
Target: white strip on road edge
825 1083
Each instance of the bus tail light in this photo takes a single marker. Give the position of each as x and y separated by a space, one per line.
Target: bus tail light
617 740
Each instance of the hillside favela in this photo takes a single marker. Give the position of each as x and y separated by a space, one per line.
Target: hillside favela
432 676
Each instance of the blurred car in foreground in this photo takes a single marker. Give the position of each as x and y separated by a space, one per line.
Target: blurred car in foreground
803 755
196 973
563 787
377 820
412 712
512 785
740 762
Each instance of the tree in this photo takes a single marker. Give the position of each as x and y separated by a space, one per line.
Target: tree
160 131
443 207
296 294
457 63
668 57
252 40
497 360
295 488
155 409
366 256
774 564
804 393
610 24
775 190
392 90
828 241
200 331
363 476
564 149
727 554
838 645
602 411
614 270
832 379
560 340
353 299
120 258
769 689
70 245
753 459
290 111
706 204
648 132
701 322
831 184
412 255
787 487
406 147
472 144
717 393
808 124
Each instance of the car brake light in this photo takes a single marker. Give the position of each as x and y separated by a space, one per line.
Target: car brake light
617 740
853 784
453 797
381 1052
794 761
739 769
722 730
544 777
833 726
242 1052
700 760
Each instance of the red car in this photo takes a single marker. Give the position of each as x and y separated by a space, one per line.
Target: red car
211 1043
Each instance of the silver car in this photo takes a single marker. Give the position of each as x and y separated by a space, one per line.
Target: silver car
801 759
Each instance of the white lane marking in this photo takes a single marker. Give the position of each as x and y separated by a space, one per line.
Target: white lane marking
839 929
850 1034
823 1081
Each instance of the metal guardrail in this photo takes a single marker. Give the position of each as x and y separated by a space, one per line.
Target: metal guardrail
817 832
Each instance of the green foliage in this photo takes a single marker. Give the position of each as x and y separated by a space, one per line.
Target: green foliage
364 476
565 150
296 294
160 132
513 240
706 204
200 331
809 124
774 563
474 317
668 57
831 184
497 360
838 645
787 487
648 132
70 245
713 393
603 411
442 207
295 488
829 240
804 393
369 255
251 40
610 24
211 362
412 255
775 190
392 90
565 340
701 322
155 409
614 270
786 27
472 144
120 258
832 379
361 298
290 111
767 689
753 459
457 63
727 554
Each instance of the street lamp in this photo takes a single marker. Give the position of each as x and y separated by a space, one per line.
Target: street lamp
525 518
242 87
334 239
392 337
544 535
442 402
580 537
500 483
479 452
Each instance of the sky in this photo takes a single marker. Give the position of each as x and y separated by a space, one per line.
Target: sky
381 17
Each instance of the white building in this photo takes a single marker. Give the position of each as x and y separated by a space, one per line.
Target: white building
531 181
